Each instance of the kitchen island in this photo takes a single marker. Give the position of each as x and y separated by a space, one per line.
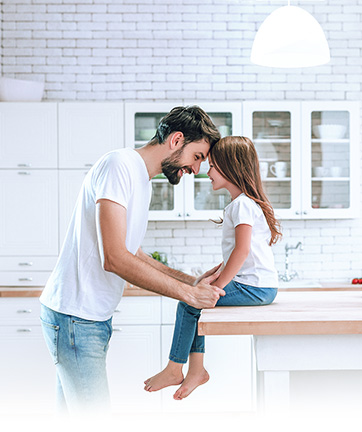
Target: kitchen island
300 331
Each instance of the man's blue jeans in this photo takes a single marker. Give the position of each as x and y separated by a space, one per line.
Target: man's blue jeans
185 337
78 348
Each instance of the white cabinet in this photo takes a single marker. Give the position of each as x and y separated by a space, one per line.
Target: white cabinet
87 131
27 374
193 198
134 354
330 160
28 135
28 212
310 153
228 359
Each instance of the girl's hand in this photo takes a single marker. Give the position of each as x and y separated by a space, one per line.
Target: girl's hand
210 276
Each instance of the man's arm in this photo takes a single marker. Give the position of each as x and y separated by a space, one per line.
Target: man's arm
112 231
182 277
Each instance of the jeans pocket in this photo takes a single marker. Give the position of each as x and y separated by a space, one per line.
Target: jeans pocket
51 335
92 336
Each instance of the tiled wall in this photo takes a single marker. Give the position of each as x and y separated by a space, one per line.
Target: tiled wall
189 50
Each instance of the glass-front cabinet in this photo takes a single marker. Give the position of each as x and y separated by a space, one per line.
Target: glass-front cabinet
193 198
331 159
308 153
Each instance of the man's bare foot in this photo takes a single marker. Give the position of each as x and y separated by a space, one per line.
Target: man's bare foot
192 381
164 379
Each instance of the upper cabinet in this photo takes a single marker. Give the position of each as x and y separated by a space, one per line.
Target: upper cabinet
28 135
193 198
308 153
87 131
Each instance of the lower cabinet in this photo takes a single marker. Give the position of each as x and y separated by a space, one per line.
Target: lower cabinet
134 354
139 348
27 374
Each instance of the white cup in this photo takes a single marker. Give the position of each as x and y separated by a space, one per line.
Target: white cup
319 171
279 169
264 166
336 171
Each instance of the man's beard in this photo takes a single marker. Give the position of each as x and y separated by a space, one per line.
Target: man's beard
171 167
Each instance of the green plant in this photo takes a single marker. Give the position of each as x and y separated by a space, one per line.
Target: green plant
159 256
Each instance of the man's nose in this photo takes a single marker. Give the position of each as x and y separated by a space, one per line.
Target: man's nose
196 167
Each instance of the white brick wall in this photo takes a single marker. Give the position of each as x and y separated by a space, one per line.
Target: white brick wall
185 50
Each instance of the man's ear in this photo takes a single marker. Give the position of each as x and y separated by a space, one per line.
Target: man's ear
176 140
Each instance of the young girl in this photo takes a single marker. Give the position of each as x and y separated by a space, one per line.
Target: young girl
248 277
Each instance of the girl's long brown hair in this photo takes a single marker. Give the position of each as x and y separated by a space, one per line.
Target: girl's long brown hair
236 159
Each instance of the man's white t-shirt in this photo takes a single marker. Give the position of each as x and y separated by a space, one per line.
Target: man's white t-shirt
79 285
258 269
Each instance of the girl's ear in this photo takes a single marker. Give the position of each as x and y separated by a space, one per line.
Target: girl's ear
176 140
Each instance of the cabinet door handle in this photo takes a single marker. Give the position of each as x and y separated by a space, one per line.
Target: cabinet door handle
297 213
24 330
24 165
24 173
26 279
23 311
117 329
26 263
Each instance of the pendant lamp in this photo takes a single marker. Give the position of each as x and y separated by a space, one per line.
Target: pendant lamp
290 37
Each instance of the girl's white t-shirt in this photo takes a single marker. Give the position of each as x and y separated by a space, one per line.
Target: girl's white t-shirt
79 285
258 269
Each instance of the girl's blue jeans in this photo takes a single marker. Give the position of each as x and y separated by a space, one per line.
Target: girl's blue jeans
185 337
78 348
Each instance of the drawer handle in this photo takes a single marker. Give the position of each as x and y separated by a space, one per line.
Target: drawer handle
24 165
117 311
24 173
24 330
26 264
88 165
117 329
24 311
29 279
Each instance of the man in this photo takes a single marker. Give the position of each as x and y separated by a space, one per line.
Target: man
102 250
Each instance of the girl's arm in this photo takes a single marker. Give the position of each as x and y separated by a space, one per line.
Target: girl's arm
238 255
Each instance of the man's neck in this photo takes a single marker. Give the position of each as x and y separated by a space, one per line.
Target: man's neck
152 157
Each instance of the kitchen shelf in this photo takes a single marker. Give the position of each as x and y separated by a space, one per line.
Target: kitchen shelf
331 179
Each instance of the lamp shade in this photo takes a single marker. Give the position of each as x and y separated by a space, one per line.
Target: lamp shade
290 37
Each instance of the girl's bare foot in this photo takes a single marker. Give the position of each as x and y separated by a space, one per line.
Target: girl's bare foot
167 377
192 381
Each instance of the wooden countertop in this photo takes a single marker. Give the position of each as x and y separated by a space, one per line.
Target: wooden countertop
133 290
129 291
292 313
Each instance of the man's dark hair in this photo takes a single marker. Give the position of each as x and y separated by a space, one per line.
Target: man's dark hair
192 121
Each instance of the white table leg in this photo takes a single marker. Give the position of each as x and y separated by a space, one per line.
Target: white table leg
273 391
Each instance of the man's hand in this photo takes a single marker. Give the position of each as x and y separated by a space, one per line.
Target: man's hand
204 295
210 276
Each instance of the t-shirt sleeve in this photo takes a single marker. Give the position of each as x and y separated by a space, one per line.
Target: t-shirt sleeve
114 180
243 212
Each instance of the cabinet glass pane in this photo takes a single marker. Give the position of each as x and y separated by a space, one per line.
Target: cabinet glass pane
207 199
272 139
271 125
330 159
145 127
223 121
330 194
162 195
278 193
